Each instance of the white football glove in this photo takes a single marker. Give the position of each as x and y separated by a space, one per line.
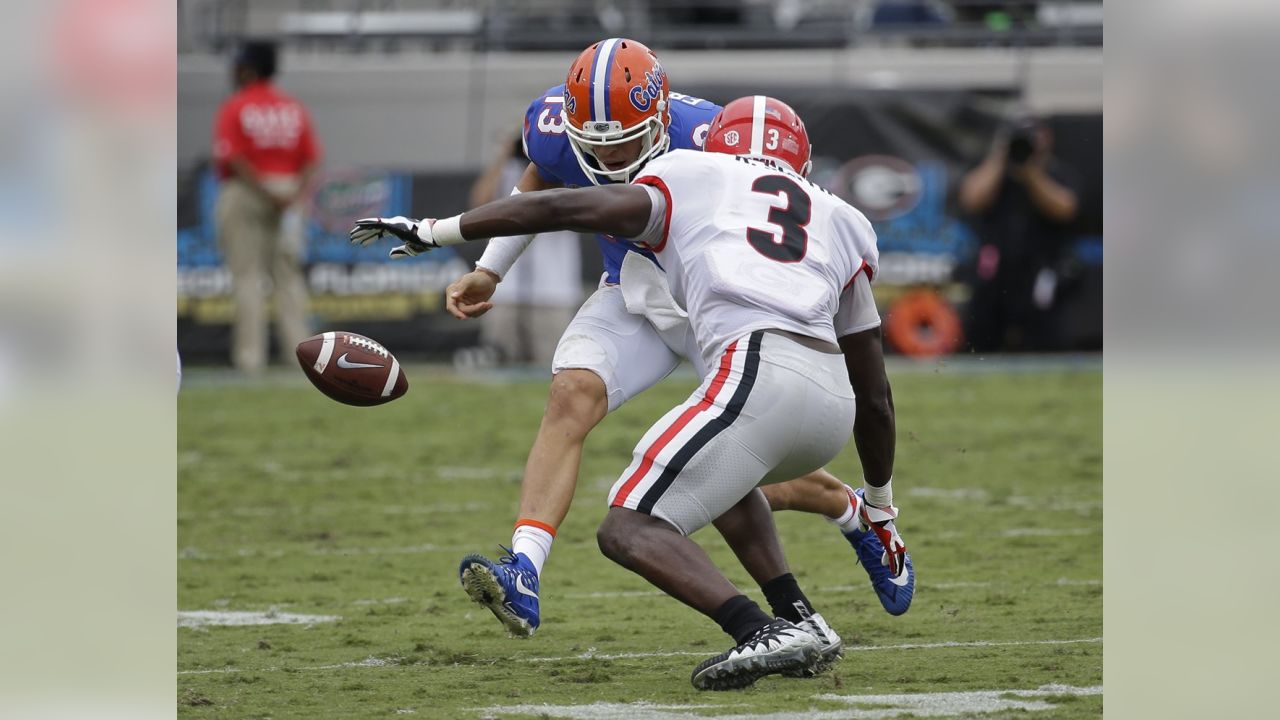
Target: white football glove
880 520
415 234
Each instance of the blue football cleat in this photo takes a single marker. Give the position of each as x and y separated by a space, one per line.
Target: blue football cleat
895 590
509 588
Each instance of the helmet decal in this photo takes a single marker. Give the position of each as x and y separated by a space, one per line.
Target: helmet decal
643 95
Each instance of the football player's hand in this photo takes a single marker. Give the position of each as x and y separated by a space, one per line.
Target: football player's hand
468 296
880 520
415 234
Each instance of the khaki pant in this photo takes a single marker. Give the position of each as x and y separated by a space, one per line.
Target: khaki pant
257 248
525 333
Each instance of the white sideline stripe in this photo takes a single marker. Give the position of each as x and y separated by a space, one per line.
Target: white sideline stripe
326 352
392 376
202 618
757 125
589 655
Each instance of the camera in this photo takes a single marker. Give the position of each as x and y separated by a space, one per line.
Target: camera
1022 141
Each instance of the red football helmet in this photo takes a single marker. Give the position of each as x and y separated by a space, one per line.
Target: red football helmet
763 127
616 92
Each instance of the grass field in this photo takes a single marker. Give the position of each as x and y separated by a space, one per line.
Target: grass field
292 505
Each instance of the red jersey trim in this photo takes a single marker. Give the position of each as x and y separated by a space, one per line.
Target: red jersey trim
656 182
862 267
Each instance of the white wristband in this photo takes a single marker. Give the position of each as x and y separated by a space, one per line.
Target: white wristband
447 231
878 496
501 253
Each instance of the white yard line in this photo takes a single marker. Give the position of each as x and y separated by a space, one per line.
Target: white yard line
1049 532
592 655
856 587
343 509
203 618
190 553
938 704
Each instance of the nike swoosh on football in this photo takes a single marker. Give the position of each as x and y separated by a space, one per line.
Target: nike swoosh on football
346 364
520 586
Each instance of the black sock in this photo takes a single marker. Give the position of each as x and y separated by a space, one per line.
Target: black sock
741 617
785 598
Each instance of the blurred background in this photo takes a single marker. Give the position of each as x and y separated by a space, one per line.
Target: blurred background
969 132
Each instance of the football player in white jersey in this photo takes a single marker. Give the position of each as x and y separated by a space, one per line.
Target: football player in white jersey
773 272
613 113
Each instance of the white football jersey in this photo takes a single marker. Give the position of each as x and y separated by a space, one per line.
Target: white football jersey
748 244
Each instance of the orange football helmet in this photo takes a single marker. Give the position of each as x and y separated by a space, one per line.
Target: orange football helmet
616 92
764 127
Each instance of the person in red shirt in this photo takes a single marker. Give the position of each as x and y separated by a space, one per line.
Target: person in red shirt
264 151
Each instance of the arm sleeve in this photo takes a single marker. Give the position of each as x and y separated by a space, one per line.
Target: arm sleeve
501 253
857 307
655 231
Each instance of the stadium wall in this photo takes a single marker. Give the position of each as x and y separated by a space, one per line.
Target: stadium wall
445 112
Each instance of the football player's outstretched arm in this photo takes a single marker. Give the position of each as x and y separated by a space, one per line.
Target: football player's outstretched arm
874 430
621 210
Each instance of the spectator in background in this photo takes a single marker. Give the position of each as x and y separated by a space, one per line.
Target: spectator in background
1021 202
265 152
539 295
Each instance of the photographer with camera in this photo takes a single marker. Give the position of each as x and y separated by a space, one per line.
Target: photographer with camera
1021 202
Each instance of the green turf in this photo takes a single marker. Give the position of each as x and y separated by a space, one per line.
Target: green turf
290 502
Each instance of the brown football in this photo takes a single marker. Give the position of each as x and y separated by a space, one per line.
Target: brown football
351 368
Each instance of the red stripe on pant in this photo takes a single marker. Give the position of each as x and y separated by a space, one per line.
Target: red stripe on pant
726 364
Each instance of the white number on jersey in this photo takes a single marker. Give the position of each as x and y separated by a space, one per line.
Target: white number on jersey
551 121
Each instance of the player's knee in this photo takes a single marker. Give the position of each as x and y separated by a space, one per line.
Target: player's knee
577 400
617 540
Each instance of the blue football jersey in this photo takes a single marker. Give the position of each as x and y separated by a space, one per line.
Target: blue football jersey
547 145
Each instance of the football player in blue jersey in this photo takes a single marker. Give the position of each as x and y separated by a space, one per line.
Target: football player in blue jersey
613 113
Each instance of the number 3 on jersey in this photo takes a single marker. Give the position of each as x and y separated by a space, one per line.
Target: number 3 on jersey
791 217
